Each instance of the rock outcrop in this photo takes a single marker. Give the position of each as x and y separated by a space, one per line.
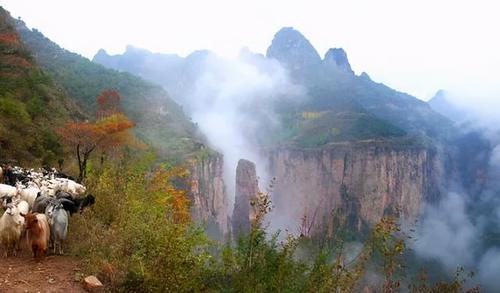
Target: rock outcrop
209 197
246 192
337 58
92 284
357 183
291 48
316 190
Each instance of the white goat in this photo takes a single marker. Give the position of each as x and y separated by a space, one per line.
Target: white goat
70 186
11 227
23 206
27 193
7 190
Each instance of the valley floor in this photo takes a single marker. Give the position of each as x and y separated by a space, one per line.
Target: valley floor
53 274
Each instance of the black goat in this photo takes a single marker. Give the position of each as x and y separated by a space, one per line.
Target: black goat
79 203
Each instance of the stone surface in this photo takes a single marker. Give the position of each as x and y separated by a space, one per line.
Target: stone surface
92 284
359 183
208 195
363 182
246 192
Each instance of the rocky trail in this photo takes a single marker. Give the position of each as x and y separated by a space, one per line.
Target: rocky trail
52 274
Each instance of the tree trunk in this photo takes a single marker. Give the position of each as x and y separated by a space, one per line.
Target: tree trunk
103 158
84 165
80 163
84 169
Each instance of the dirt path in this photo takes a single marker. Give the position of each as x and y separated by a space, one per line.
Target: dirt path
52 274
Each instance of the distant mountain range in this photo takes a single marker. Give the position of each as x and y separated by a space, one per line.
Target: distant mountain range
341 106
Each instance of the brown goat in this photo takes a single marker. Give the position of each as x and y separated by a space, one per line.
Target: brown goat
38 233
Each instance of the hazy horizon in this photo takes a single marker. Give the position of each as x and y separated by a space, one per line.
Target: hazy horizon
416 48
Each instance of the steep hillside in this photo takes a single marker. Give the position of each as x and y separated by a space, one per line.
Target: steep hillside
301 123
143 63
340 106
42 86
331 82
30 103
176 74
160 121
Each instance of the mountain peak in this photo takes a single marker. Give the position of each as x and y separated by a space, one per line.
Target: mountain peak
443 105
102 52
440 99
337 58
130 49
290 47
364 76
101 57
440 94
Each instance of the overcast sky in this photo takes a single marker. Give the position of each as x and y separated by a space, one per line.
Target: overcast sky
414 46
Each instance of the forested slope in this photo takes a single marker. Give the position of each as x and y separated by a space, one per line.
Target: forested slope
160 121
31 104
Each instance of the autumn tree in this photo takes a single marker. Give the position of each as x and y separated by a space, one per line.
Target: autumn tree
107 103
177 199
111 130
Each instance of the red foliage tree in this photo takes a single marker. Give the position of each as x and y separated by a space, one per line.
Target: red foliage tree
108 103
85 137
111 130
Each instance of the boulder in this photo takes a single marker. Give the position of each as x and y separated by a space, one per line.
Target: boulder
92 284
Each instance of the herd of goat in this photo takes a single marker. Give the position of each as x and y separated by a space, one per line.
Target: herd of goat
38 205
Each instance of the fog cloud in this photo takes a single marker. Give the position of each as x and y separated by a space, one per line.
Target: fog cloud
447 233
461 229
456 236
232 102
480 105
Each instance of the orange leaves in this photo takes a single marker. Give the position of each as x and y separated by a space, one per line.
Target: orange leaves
180 206
105 133
114 130
9 38
108 103
114 123
14 61
74 133
109 132
161 181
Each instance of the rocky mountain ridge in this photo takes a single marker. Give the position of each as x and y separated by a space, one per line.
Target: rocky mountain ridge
353 146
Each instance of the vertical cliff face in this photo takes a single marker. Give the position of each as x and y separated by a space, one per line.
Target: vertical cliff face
209 197
246 191
358 184
316 190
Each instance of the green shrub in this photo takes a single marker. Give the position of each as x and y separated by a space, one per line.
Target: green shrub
139 238
14 109
136 237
